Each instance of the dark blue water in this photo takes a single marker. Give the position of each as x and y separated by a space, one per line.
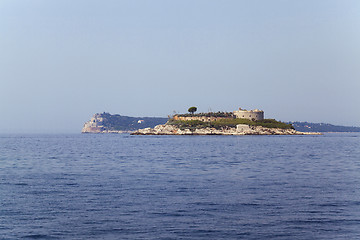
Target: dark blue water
179 187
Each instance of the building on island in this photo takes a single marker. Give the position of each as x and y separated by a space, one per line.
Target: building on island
253 115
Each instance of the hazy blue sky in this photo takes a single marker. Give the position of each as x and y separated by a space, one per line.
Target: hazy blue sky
61 61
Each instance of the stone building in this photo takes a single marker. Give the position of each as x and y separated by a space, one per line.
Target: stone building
253 115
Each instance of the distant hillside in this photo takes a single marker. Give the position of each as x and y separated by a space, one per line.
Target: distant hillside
322 127
108 123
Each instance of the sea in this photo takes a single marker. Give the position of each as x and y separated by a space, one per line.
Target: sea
119 186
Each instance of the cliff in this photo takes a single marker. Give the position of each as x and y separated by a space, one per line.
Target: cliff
108 123
240 129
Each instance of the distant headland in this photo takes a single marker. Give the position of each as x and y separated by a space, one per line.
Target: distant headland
115 123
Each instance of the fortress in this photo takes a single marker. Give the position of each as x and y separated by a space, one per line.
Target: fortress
238 122
253 115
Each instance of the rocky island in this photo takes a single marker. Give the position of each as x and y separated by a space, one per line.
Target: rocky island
240 122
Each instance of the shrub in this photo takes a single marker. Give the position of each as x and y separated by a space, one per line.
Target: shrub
229 122
192 110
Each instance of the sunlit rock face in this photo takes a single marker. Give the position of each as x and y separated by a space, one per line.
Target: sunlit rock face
94 125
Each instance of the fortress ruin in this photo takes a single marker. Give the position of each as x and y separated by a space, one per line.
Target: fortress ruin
253 115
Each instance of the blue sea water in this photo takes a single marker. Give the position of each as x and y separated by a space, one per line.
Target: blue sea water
179 187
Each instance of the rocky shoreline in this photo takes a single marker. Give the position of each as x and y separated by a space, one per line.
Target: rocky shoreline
240 129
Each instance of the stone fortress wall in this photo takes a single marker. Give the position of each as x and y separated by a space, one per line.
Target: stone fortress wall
199 118
252 114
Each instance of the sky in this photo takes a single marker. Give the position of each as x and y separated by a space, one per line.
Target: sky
62 61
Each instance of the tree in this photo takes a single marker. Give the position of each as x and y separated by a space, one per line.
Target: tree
192 110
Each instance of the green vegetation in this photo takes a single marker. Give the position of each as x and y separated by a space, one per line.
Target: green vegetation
224 123
192 110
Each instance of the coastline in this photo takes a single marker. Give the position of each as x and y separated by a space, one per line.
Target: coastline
240 129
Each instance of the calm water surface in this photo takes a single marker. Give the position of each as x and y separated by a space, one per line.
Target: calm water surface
179 187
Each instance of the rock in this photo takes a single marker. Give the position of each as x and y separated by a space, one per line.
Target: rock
95 125
240 129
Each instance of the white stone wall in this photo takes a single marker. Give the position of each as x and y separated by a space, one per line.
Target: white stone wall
252 114
242 128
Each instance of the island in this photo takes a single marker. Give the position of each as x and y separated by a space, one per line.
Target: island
239 122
